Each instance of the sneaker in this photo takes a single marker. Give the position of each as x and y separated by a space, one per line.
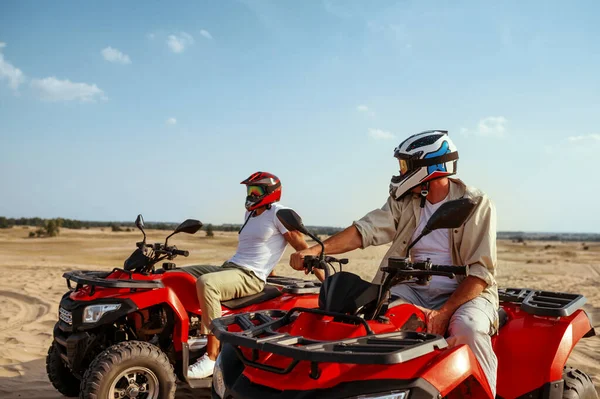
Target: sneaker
202 368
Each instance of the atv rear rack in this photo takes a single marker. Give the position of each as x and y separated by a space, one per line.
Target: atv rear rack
543 303
98 279
259 333
293 285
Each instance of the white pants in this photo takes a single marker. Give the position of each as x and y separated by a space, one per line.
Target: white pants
473 323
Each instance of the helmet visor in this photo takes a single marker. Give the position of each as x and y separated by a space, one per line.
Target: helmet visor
256 191
403 166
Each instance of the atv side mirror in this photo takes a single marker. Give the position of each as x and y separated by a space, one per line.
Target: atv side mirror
139 222
190 226
449 215
291 220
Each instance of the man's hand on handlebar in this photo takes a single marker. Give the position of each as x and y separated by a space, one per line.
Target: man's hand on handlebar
297 258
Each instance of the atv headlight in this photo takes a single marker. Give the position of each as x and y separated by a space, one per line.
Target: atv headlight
382 395
218 383
93 313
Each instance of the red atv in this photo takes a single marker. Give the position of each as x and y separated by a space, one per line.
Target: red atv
127 333
353 346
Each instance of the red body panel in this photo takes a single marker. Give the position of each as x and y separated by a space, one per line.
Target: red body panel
531 346
536 347
179 293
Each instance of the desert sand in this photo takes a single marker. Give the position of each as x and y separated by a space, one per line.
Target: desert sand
31 286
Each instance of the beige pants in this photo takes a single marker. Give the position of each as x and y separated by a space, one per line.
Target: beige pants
222 283
473 322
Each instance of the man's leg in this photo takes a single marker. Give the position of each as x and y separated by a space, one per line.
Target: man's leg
472 324
213 288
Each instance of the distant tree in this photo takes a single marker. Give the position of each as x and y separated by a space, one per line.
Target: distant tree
210 230
52 227
4 223
116 228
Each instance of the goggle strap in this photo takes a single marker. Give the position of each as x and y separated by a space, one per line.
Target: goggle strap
246 222
417 163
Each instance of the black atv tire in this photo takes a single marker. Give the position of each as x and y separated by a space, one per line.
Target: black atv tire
108 370
59 374
578 385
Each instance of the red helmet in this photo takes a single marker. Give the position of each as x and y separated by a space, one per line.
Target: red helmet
263 189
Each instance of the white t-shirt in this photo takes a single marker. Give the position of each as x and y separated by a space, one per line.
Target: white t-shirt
261 242
435 246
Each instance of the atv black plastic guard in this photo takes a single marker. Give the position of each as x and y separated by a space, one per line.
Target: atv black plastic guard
259 333
98 279
543 303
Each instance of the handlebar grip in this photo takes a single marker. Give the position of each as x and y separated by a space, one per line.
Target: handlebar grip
181 252
311 262
462 270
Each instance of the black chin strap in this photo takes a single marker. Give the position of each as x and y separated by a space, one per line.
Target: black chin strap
424 193
246 222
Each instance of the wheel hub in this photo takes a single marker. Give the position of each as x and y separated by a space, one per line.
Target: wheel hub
135 382
133 391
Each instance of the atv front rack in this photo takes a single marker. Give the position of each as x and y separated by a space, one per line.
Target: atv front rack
98 279
259 333
543 303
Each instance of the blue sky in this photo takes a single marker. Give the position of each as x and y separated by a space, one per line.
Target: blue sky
111 109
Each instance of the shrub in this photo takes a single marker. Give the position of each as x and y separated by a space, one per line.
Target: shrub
116 228
210 230
31 234
4 223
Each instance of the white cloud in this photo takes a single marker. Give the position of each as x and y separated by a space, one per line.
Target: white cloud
206 34
52 89
592 137
379 134
492 126
171 121
178 43
365 109
114 55
9 72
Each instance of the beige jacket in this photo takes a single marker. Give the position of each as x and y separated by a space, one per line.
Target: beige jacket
473 244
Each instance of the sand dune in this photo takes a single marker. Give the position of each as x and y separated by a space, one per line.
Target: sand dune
31 286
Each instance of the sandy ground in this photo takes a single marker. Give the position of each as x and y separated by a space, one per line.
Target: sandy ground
31 286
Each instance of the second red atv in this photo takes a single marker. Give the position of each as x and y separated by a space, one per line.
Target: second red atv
354 346
128 332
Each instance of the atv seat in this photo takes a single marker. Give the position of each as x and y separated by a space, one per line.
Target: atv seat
185 285
269 292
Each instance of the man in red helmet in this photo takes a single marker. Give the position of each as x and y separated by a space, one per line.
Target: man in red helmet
262 242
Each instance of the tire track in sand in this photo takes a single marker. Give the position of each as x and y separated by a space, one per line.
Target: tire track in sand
18 309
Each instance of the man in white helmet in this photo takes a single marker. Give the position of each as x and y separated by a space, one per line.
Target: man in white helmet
466 306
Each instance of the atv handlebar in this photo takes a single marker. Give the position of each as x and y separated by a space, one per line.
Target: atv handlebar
316 262
180 252
404 266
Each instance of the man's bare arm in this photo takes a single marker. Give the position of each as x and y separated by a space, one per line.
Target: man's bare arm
296 240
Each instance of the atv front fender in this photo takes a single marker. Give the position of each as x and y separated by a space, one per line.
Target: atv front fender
146 299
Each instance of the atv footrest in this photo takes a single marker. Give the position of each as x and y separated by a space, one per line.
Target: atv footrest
543 303
259 333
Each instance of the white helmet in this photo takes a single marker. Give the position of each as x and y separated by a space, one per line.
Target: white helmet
423 157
